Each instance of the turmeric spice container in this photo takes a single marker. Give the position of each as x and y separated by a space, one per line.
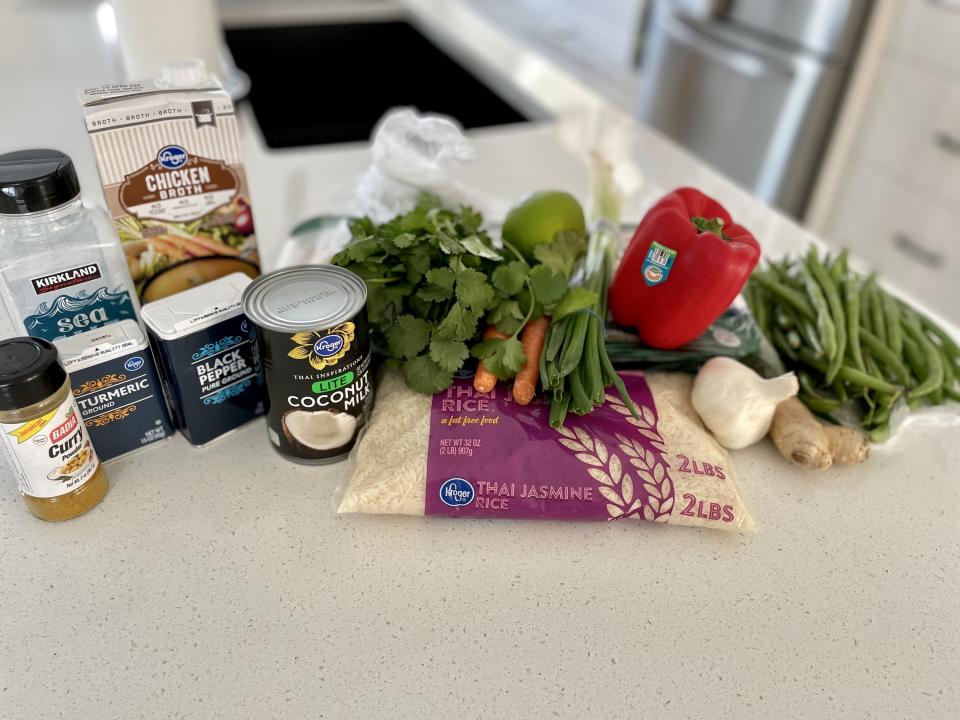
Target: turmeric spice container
42 434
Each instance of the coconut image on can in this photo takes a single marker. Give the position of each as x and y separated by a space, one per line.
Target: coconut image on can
311 325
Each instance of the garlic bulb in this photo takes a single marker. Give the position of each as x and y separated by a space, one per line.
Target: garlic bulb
735 403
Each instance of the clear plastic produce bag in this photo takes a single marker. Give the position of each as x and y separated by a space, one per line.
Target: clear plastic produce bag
412 153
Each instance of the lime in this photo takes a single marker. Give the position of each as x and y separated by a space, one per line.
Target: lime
536 220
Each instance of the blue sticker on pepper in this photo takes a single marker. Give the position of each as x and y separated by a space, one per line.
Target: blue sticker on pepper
658 263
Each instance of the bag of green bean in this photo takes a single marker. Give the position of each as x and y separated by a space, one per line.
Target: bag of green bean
859 352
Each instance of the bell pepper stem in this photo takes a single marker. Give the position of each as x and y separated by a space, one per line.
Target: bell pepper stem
710 225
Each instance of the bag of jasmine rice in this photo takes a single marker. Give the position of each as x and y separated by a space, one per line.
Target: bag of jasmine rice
464 453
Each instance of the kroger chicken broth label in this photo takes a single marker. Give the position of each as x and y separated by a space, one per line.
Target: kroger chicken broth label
475 467
169 162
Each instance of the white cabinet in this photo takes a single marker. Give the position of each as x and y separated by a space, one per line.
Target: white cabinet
898 203
914 127
930 29
905 235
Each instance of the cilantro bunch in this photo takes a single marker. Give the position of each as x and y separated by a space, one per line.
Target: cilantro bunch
435 280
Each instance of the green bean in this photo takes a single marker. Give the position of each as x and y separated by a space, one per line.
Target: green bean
871 368
781 344
840 390
813 398
784 318
885 405
749 293
885 357
946 342
874 303
932 379
915 361
760 308
806 382
838 267
869 417
558 410
835 306
825 326
880 433
592 376
849 374
852 296
949 373
807 331
951 393
785 293
891 312
781 271
818 404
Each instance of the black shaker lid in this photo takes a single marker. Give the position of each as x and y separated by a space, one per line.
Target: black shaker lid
35 180
30 371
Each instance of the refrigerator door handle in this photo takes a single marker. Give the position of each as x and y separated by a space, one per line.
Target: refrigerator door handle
740 61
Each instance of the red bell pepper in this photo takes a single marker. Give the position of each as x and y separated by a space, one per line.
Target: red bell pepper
683 267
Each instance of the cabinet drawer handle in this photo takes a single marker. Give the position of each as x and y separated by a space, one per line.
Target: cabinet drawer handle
946 141
915 251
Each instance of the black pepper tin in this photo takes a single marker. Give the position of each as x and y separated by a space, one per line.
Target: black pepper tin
117 388
311 325
207 354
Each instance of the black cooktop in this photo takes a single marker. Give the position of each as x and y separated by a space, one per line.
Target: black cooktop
316 84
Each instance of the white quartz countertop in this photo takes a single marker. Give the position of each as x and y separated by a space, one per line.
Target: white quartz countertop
219 582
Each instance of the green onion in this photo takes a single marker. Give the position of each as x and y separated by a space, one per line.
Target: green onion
575 355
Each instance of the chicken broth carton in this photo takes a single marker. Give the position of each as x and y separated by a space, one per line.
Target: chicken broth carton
168 153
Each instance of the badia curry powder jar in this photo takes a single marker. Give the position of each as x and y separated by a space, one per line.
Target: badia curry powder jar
42 434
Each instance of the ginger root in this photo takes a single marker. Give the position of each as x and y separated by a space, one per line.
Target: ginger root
804 440
799 436
848 445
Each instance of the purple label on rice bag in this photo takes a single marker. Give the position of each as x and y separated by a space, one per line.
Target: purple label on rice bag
489 457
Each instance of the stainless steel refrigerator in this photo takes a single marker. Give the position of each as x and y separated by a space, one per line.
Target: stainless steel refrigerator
751 86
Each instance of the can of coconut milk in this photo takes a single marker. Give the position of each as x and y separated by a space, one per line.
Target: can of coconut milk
311 325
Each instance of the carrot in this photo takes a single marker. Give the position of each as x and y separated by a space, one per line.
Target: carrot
532 337
214 247
164 247
484 381
194 248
